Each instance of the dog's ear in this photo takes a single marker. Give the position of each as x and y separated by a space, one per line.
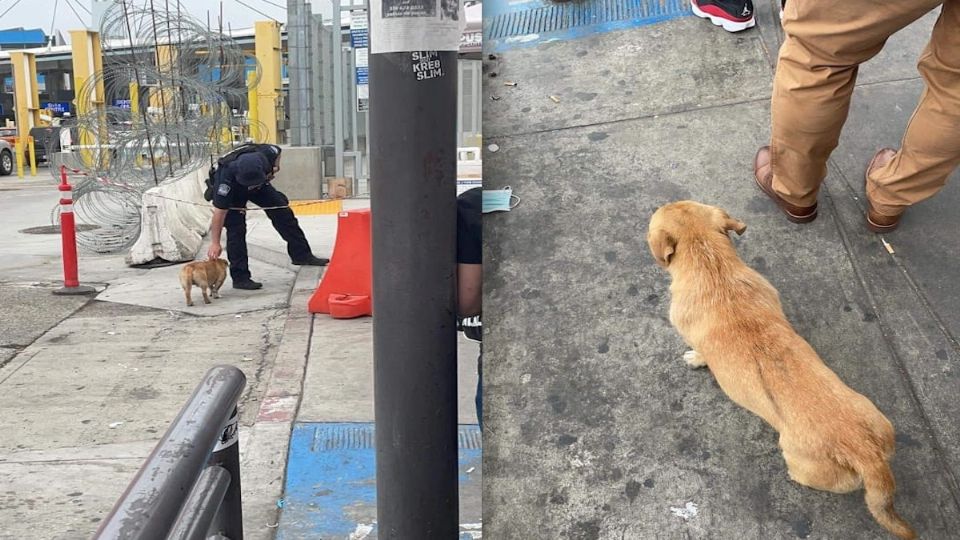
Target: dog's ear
662 245
732 224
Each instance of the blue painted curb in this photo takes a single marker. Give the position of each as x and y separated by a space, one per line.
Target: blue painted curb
331 485
512 24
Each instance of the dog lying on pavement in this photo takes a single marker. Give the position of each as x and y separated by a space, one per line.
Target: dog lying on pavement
832 438
208 275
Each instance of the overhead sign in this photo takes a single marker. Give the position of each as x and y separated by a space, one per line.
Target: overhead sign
58 107
121 103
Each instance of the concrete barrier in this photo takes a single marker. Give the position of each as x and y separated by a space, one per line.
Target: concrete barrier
174 218
301 173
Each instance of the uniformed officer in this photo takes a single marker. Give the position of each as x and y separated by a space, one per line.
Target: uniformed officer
247 178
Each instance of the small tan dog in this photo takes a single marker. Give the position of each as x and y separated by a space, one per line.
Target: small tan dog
832 438
208 275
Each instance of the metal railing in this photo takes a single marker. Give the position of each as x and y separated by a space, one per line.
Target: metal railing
189 486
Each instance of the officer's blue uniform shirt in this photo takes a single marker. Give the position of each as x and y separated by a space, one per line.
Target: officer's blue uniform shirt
228 192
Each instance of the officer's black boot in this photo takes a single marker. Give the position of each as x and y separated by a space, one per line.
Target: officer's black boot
247 284
312 260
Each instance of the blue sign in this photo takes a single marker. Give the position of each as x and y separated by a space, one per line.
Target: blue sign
359 38
121 103
359 29
58 107
363 75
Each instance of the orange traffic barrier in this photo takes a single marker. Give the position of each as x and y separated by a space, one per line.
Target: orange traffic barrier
345 306
350 272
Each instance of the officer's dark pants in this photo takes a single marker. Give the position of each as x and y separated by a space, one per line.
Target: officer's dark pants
283 221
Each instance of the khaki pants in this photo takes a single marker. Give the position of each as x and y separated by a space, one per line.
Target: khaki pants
826 42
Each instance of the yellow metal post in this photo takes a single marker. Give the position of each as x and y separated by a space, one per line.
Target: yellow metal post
253 108
135 116
27 103
161 98
88 63
226 136
269 107
33 156
18 147
134 102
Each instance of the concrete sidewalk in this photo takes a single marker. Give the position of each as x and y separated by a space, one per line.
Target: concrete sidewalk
88 385
595 428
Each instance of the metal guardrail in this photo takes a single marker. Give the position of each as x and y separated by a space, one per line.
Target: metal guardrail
189 486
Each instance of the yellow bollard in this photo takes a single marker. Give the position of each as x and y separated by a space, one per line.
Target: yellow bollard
19 151
135 116
253 108
268 52
224 136
33 156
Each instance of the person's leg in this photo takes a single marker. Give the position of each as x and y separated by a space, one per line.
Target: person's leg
930 149
283 221
825 43
236 224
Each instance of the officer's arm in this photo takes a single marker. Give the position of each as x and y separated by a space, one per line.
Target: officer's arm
216 225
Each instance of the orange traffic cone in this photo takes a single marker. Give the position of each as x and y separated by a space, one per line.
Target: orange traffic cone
345 290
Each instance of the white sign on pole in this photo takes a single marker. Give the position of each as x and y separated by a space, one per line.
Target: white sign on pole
416 25
360 40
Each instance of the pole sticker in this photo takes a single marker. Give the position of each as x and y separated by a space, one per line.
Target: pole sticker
426 65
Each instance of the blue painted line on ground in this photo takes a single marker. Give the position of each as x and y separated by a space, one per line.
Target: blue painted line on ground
331 479
527 23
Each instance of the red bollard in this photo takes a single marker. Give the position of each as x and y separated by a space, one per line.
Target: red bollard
68 235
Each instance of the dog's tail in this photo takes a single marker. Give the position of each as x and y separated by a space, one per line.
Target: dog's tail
879 485
185 281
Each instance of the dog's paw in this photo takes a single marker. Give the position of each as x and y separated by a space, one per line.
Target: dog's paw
694 360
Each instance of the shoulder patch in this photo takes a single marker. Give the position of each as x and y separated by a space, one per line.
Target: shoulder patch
223 190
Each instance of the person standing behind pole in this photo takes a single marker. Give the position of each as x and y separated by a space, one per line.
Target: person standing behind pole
470 278
826 41
247 178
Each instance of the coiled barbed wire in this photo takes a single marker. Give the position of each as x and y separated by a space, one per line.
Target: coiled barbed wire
180 115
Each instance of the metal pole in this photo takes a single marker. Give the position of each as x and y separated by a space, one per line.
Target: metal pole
325 65
460 68
201 506
152 501
294 88
413 211
352 58
302 68
229 521
337 55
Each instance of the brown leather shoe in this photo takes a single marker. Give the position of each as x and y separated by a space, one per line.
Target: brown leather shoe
763 174
876 222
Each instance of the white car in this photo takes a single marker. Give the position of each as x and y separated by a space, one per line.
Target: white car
6 158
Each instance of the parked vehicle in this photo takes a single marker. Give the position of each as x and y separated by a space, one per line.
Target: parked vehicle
8 134
6 158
